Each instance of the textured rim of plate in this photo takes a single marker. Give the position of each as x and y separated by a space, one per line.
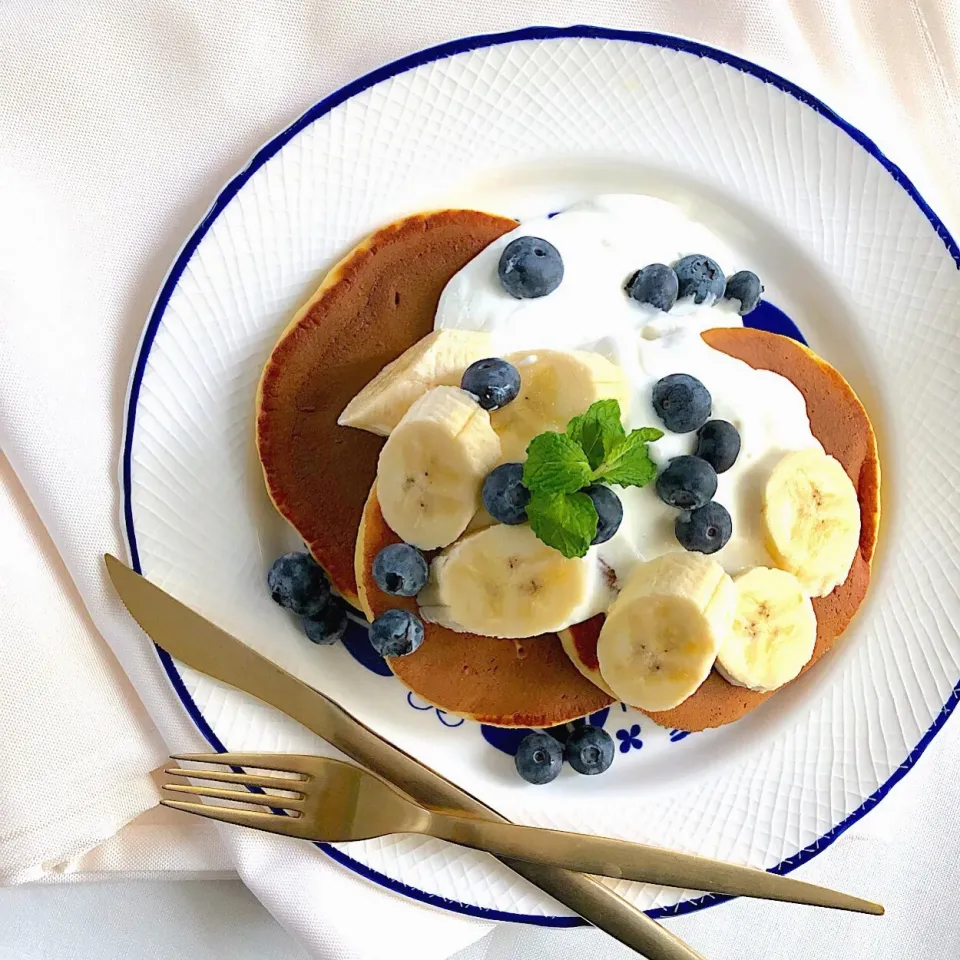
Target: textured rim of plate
323 107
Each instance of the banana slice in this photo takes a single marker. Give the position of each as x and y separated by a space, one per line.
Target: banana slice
773 634
811 518
661 636
439 359
504 582
433 465
555 386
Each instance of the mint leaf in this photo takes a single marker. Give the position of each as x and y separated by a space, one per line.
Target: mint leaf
645 434
629 463
565 521
555 464
598 431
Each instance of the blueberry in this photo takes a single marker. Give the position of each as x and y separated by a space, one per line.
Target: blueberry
297 582
329 625
539 758
589 750
746 287
687 483
609 511
705 529
655 284
719 444
682 402
396 633
700 277
504 495
493 382
400 570
530 267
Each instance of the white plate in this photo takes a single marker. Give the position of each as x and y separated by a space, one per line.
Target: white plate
522 124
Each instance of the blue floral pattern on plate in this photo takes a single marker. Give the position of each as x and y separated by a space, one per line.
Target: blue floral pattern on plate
630 738
442 715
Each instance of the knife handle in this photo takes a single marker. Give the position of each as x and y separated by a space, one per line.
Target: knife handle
606 910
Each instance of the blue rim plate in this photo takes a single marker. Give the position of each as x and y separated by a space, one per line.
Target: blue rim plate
268 151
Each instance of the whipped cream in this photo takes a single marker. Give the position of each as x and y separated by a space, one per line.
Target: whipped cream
603 241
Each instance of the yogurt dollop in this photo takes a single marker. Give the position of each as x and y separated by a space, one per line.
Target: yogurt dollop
603 241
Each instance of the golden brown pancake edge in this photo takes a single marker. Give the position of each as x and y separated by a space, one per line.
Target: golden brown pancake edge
840 422
375 303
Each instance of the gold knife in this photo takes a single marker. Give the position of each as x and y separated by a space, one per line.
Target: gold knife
197 642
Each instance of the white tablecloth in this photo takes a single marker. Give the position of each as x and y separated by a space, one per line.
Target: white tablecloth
118 124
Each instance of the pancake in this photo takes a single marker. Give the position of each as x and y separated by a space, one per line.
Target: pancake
839 421
506 683
378 301
373 304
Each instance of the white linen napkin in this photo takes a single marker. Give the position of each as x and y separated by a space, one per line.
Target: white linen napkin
63 790
119 122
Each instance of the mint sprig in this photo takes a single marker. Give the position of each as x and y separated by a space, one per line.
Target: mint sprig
595 448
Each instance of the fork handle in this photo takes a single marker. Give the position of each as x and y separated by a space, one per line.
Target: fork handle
633 861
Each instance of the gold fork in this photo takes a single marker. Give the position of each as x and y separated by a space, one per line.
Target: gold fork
336 802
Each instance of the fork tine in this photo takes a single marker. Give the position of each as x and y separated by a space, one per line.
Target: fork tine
285 762
271 822
242 796
247 779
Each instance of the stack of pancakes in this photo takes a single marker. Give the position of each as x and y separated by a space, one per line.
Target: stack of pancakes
380 300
